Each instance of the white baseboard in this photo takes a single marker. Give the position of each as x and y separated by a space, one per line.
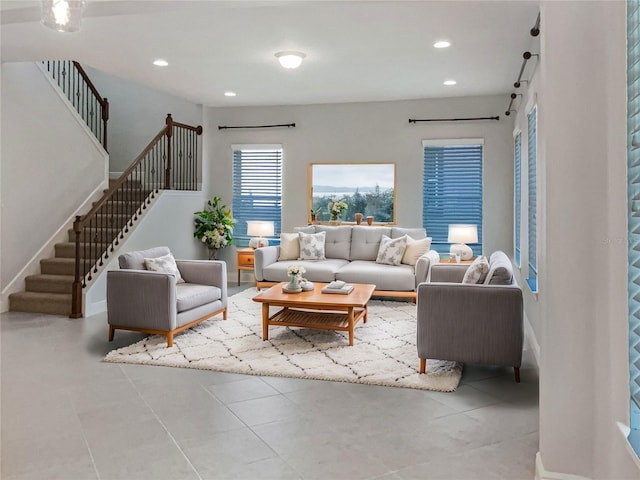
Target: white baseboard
542 474
32 267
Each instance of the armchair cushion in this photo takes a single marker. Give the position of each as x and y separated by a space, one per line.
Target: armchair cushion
477 271
135 260
164 264
500 269
190 295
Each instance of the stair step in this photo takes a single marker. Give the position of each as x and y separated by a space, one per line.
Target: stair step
47 283
105 235
119 206
68 250
52 303
130 195
58 266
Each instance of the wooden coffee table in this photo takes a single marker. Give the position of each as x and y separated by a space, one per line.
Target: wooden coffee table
314 309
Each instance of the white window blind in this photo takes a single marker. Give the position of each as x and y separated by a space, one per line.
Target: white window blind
532 129
517 204
452 191
633 179
257 188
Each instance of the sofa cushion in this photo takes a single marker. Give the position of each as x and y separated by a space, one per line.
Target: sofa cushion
384 277
190 295
415 233
415 249
477 271
164 264
391 251
135 260
500 269
289 246
365 242
338 241
323 271
312 246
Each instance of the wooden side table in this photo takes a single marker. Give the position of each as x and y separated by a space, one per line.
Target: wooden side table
453 262
245 258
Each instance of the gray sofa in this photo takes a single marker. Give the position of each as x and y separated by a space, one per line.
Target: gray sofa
471 323
152 302
351 252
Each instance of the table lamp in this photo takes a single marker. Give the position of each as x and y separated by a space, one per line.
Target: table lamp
259 229
459 235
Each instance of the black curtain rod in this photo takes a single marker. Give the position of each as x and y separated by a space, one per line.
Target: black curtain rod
228 127
415 120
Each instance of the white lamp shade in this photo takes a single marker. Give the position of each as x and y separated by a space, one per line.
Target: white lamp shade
257 228
463 233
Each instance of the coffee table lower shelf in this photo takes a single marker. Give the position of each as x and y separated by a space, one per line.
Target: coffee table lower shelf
289 317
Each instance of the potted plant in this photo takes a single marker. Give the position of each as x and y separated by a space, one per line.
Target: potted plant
315 213
336 209
214 226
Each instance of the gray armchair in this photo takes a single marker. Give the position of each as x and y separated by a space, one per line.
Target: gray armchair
152 302
471 323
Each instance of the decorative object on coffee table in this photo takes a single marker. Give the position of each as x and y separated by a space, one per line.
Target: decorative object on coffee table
294 272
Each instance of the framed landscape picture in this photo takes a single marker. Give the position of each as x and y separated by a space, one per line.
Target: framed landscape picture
366 188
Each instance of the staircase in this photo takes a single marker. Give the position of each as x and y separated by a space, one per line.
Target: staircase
51 290
170 161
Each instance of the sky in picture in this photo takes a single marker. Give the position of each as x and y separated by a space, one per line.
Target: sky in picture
363 176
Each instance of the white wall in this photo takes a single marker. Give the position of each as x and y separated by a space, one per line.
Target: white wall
581 308
168 222
136 115
50 166
368 132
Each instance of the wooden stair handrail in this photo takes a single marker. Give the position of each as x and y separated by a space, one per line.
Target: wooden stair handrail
95 246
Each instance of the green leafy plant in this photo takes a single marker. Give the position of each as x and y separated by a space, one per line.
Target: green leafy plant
214 225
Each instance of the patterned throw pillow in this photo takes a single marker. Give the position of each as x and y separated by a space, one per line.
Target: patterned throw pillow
415 249
391 250
165 264
289 246
477 271
312 246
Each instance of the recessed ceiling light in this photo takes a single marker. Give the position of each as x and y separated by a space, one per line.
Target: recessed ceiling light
290 59
449 82
160 62
442 44
229 94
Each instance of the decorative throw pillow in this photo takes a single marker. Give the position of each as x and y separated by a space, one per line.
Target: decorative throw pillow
312 246
289 246
391 250
415 249
165 264
477 271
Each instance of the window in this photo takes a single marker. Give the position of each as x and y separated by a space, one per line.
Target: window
257 187
452 189
517 203
532 127
633 175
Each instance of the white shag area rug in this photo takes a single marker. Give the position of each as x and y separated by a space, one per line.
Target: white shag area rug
384 350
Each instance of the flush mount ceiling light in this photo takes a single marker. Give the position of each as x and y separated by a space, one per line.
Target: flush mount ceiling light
229 94
290 59
160 62
442 44
62 15
449 82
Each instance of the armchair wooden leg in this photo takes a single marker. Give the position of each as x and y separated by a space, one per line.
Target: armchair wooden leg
224 314
169 339
516 373
111 332
423 365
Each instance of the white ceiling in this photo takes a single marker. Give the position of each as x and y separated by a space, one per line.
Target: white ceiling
356 51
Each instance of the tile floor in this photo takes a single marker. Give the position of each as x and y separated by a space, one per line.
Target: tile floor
67 415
